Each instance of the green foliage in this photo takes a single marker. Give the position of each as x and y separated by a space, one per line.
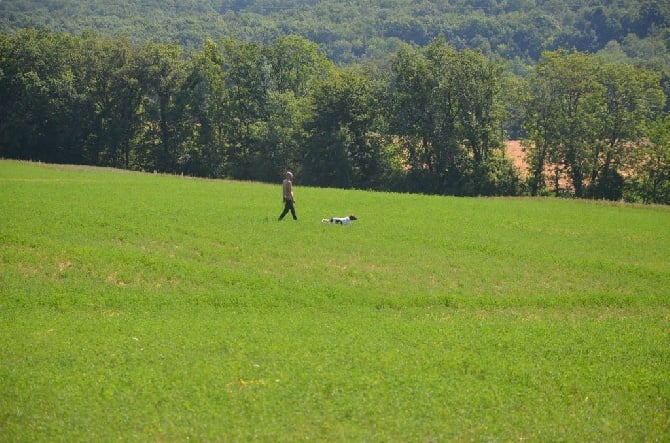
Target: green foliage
433 123
586 118
160 308
343 149
358 29
651 182
445 112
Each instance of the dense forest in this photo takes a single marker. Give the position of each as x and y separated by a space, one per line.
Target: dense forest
388 95
354 30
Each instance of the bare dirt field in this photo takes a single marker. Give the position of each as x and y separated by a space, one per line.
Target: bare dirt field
514 151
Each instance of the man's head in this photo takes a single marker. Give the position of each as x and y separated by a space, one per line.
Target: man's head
289 175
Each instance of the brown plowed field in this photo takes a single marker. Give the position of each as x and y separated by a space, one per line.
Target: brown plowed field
514 151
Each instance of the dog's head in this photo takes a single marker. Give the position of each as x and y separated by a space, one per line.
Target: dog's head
352 217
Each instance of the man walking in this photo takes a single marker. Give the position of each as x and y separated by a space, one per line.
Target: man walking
287 194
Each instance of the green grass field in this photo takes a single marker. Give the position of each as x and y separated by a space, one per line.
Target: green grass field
142 307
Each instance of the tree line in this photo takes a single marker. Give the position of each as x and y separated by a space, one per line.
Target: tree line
434 122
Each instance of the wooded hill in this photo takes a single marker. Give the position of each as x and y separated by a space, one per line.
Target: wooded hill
355 30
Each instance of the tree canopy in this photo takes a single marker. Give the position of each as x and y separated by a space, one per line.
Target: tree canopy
370 30
435 122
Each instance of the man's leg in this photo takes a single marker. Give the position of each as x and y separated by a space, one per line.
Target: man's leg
292 208
285 211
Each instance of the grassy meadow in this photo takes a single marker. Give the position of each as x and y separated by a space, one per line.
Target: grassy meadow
144 307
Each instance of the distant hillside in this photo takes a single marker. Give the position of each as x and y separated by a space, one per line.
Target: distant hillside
370 30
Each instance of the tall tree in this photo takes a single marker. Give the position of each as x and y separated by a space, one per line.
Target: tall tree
651 166
477 82
584 116
343 150
39 97
108 70
446 113
161 77
562 115
630 98
296 67
412 87
207 100
247 81
541 125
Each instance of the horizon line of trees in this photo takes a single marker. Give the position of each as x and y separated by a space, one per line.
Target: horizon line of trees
435 122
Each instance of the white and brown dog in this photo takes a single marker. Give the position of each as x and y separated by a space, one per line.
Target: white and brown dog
340 220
